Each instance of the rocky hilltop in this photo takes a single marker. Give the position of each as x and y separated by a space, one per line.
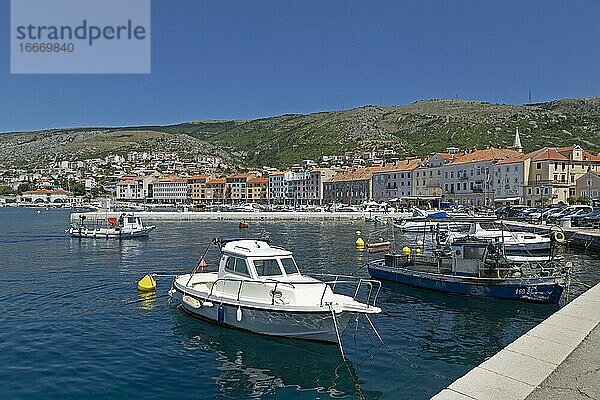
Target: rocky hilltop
416 129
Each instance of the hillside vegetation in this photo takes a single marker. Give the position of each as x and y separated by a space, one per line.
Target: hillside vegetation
416 129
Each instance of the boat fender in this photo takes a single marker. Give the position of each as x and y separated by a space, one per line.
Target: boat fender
190 301
406 250
558 237
239 314
221 314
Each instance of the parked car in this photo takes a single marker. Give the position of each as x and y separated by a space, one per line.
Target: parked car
568 212
586 219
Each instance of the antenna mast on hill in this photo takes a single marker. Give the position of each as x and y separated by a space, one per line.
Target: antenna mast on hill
530 97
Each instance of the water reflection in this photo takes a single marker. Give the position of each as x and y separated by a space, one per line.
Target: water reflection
252 365
453 328
146 300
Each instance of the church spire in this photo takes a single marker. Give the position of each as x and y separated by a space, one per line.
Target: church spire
517 143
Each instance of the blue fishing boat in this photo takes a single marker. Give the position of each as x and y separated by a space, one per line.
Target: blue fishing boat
478 268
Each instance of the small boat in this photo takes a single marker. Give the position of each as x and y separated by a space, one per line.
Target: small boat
124 227
243 225
425 225
480 268
259 288
514 242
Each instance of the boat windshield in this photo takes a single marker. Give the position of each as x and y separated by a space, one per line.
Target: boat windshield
237 266
267 267
289 265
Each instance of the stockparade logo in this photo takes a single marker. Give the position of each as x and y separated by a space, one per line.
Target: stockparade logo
80 36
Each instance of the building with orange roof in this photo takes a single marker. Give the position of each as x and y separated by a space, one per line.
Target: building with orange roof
394 181
257 189
278 186
170 189
298 187
553 172
509 178
236 186
45 196
467 179
350 187
135 188
427 178
198 191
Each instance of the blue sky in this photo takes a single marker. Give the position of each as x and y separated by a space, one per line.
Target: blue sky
250 59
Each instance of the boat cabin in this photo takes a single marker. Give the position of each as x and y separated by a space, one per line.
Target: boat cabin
257 260
468 256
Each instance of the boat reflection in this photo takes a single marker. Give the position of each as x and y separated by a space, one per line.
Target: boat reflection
441 326
255 366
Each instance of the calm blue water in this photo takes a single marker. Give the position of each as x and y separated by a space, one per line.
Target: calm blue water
72 324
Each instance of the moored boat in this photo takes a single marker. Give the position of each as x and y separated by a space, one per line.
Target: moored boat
480 268
124 227
259 288
524 243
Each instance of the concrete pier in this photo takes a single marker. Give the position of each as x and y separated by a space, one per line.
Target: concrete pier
558 359
238 216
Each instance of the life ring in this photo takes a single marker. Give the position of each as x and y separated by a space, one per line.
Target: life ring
558 237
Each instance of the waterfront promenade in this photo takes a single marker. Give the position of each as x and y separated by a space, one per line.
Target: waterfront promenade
558 359
238 216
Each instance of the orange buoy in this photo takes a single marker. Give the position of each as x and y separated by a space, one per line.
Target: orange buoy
243 224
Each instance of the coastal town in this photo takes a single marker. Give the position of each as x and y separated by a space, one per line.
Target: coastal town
488 177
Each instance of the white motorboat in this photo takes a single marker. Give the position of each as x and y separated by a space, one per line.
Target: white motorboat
514 242
258 288
424 225
124 227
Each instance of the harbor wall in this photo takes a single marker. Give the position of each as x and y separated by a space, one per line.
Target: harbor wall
521 367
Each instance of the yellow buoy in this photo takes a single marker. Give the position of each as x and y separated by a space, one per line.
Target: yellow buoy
406 250
418 251
38 211
359 241
46 208
147 284
419 243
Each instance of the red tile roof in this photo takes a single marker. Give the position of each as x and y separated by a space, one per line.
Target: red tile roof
49 192
258 180
546 153
491 154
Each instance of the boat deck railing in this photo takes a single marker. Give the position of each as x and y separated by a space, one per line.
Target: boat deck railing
361 290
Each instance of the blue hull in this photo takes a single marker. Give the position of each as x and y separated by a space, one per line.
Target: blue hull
539 290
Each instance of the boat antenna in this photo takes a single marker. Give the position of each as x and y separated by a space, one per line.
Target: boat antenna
214 241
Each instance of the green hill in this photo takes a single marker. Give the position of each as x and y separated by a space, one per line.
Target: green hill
416 129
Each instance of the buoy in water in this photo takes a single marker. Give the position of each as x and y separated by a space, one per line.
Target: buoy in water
243 224
38 211
406 250
419 242
147 284
360 243
46 208
418 251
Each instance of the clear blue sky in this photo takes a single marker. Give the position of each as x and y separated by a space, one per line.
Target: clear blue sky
248 59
